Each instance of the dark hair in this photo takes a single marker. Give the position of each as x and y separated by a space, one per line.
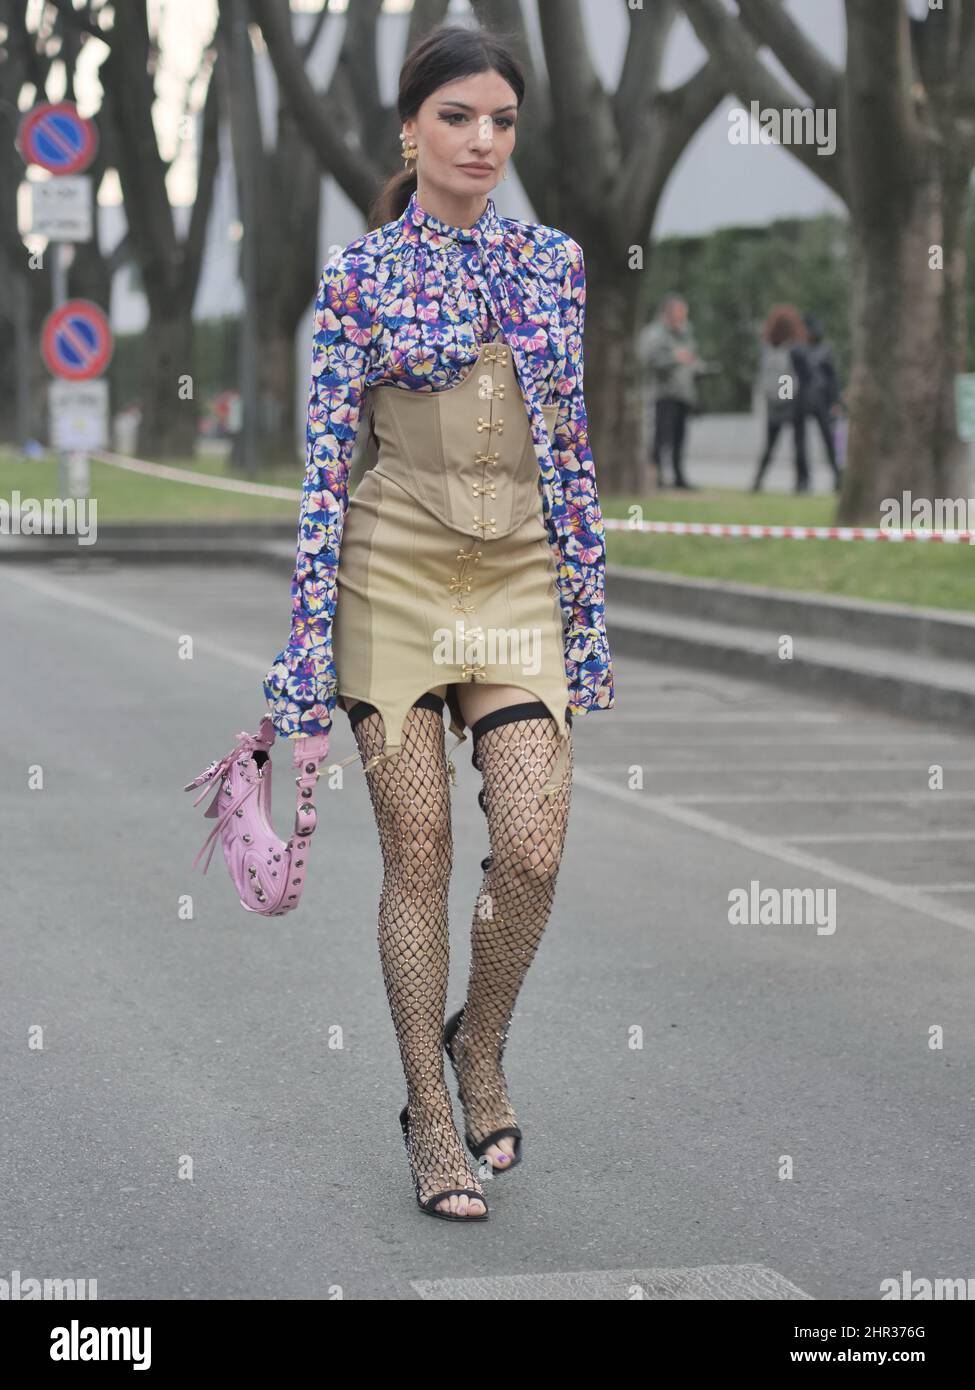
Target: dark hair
448 52
813 327
783 323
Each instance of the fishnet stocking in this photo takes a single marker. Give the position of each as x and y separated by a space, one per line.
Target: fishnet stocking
410 795
527 836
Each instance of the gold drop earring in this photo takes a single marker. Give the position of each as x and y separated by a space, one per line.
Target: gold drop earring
409 151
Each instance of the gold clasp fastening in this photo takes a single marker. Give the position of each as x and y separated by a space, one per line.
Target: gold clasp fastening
489 390
484 490
482 526
458 586
475 669
496 354
487 460
471 554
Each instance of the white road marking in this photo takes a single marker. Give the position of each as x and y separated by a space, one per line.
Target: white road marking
675 810
941 888
817 798
880 837
921 768
105 609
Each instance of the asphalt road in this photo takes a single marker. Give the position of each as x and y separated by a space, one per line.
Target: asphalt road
660 1167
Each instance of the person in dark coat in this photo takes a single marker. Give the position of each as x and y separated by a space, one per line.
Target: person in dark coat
820 394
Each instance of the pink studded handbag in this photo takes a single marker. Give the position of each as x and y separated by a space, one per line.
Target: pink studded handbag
267 873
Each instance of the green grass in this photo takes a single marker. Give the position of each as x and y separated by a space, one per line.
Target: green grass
930 575
126 498
923 574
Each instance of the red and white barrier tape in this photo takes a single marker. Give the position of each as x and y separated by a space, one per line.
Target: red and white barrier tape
661 528
791 533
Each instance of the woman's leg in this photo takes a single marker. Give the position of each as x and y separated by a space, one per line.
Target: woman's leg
410 795
802 463
527 834
772 428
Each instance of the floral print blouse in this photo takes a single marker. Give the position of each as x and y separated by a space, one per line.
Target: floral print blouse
410 304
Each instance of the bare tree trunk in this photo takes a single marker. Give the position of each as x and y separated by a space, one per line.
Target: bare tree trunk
907 327
167 428
615 392
278 388
170 265
284 228
904 157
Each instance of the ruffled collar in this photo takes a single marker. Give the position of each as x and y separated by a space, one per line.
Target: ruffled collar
421 226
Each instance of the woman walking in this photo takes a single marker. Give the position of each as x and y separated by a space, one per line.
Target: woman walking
467 571
785 375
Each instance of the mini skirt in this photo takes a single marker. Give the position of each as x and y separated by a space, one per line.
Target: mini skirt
446 574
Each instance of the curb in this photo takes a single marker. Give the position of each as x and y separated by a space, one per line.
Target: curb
917 662
914 662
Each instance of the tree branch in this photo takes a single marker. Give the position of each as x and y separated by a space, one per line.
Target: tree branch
206 178
321 121
582 134
531 155
884 134
673 121
964 103
725 38
806 63
79 19
642 63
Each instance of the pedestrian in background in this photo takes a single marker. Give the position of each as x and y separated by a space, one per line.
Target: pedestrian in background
667 348
820 394
785 375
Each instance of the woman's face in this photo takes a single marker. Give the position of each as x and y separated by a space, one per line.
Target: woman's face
465 133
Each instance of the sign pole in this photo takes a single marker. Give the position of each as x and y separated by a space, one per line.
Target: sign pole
76 338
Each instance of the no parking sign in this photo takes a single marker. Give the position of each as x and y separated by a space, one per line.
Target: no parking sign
76 341
53 135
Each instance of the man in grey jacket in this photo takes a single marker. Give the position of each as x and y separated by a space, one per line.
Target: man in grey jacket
667 347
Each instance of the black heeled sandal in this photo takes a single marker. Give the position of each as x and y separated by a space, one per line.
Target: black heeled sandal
512 1131
430 1205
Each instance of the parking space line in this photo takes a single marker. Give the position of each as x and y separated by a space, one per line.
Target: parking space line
817 798
941 888
676 810
64 594
880 837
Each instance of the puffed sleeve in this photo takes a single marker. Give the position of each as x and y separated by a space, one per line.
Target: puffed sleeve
300 687
588 661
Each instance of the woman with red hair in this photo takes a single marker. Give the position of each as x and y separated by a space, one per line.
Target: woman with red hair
785 370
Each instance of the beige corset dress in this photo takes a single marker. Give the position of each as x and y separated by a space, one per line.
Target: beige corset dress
445 573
